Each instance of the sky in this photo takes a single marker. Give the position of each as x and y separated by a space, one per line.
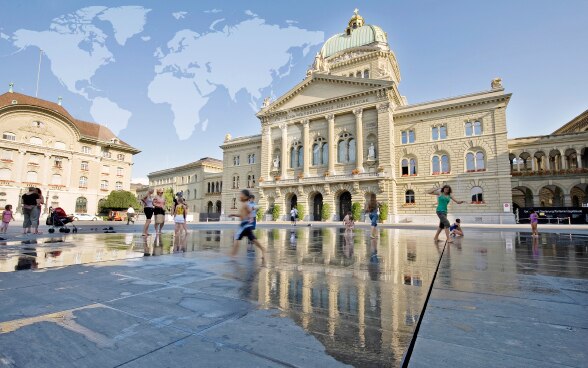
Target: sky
172 78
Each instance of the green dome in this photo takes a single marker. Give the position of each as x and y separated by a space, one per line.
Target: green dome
361 36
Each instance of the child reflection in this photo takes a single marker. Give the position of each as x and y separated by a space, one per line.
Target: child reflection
535 247
28 259
157 245
348 246
147 247
374 265
180 242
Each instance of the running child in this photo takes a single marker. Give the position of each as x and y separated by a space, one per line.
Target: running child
455 229
534 221
293 215
246 226
7 216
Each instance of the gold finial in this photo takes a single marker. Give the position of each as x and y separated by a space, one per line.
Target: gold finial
356 12
59 100
11 87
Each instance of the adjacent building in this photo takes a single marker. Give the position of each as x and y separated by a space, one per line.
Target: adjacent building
75 163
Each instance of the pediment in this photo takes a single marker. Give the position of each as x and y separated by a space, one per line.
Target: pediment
321 88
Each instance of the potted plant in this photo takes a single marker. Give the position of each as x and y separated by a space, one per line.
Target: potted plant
277 177
354 172
356 211
326 212
300 209
383 212
276 212
259 214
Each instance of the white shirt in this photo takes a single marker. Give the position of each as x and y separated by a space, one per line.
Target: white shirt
131 210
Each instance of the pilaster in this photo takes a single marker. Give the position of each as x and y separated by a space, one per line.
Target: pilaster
359 135
331 143
306 146
284 165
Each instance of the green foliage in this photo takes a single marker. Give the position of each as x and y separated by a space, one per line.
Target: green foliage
276 212
383 212
300 208
356 211
168 195
118 200
326 212
259 214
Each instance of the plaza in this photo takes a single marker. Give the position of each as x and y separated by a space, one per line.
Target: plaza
497 297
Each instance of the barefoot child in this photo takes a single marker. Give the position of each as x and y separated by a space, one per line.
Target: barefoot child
246 226
6 218
455 229
443 198
348 222
534 220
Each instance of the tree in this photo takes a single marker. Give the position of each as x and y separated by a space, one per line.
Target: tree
300 209
259 214
383 212
326 212
276 212
168 195
356 211
118 200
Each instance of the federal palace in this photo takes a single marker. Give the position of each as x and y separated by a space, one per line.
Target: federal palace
345 133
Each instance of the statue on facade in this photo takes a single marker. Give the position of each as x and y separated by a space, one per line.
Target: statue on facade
276 163
266 102
496 83
319 64
372 152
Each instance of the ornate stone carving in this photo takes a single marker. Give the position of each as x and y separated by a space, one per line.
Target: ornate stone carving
266 102
496 83
278 193
305 122
301 190
383 107
330 117
327 189
228 137
358 112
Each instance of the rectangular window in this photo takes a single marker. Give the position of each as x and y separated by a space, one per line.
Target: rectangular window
86 149
411 136
85 166
404 137
119 171
9 136
120 157
104 184
6 155
118 185
439 132
435 133
58 162
34 159
105 169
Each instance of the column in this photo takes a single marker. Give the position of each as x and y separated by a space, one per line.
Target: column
518 163
266 151
20 164
284 167
533 165
331 143
564 162
579 157
45 180
567 200
306 146
359 133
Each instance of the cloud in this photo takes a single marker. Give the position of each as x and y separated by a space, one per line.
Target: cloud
146 38
215 23
250 13
127 21
4 36
179 15
108 113
213 11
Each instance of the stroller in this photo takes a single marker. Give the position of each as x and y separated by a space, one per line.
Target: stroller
59 219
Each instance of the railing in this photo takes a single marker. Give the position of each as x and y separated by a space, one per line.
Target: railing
529 172
322 178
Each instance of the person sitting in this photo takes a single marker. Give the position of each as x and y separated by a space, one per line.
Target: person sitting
455 229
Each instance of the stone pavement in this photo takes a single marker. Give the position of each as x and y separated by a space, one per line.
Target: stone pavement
320 299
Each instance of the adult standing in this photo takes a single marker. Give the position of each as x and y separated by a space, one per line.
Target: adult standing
147 202
29 204
372 211
159 211
36 214
443 198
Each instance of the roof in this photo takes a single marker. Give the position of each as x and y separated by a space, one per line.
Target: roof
577 124
205 161
362 36
85 128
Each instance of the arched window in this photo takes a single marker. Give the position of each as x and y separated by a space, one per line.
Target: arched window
358 74
234 203
208 191
408 167
366 73
409 197
473 128
36 140
56 179
32 177
217 187
320 152
475 161
81 205
250 181
188 194
104 184
440 164
296 155
346 148
5 174
477 195
118 185
83 182
59 145
477 128
235 181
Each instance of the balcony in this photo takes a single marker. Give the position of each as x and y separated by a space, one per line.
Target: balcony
57 186
6 182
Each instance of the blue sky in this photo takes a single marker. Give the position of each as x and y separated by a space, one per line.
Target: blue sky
172 78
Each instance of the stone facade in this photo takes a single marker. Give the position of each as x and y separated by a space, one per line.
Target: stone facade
75 163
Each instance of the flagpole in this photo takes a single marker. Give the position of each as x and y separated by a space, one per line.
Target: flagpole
39 72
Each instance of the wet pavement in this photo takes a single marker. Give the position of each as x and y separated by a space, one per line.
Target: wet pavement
320 298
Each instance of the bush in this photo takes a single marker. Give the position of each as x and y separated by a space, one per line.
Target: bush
300 209
383 212
326 212
118 200
276 212
356 211
259 214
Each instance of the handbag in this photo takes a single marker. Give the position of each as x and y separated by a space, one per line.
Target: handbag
159 219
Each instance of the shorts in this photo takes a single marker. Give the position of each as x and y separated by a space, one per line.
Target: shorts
443 221
179 219
148 212
254 225
245 230
158 211
293 218
374 219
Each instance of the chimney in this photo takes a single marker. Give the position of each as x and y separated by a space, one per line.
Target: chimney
11 89
59 99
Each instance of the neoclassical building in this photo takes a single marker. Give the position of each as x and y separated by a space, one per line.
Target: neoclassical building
75 163
345 133
551 170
